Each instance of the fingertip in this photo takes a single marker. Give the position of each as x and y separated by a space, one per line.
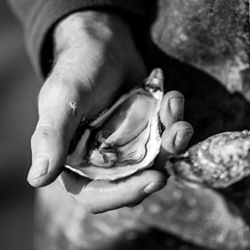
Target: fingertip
176 107
38 171
182 138
40 181
172 108
49 150
176 138
99 195
39 174
143 184
154 187
172 94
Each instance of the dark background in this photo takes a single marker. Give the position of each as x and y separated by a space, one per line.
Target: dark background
19 87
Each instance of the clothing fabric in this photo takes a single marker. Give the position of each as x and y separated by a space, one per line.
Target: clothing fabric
38 17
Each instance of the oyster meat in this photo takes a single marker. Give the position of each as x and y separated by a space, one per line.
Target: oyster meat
122 140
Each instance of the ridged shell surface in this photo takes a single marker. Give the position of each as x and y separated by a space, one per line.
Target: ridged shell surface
218 162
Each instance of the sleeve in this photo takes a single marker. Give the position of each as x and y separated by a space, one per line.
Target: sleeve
38 17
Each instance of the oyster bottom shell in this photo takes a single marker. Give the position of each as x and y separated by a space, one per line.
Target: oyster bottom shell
218 162
124 139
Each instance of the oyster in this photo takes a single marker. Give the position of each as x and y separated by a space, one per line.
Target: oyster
208 194
122 140
218 162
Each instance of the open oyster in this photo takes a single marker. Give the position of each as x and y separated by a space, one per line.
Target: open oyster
218 162
122 140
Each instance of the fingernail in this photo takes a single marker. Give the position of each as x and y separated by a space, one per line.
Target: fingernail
182 138
153 187
176 105
39 168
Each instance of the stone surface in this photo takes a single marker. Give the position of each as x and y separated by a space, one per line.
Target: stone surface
212 35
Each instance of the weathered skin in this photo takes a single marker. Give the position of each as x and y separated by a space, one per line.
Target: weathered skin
177 217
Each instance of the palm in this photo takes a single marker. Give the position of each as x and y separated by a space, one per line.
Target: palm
89 73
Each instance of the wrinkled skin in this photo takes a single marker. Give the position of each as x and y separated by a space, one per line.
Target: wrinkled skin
95 63
211 109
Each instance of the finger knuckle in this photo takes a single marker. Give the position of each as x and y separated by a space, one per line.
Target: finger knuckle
41 133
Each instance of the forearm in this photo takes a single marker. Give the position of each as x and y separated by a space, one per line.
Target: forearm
105 41
97 27
39 17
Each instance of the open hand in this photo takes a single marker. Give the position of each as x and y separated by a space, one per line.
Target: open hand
95 61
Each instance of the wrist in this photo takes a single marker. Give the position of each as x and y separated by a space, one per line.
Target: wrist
90 26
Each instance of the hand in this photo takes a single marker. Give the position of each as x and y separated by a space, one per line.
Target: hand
95 61
99 196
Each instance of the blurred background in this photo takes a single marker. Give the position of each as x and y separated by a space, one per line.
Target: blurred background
19 88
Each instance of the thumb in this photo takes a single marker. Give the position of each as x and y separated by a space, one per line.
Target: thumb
58 120
98 196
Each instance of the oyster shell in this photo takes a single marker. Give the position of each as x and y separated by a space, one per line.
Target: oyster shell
209 193
218 162
122 140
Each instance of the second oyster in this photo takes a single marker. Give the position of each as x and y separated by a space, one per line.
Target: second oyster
218 162
124 139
